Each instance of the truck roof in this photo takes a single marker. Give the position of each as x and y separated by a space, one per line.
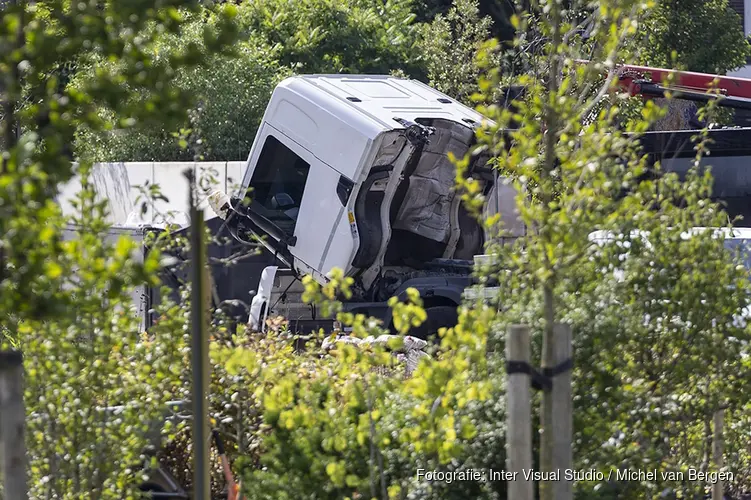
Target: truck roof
374 101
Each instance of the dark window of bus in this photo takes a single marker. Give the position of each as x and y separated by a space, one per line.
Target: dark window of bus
278 184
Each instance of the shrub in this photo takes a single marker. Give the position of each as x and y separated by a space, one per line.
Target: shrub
450 45
229 95
95 386
336 426
332 36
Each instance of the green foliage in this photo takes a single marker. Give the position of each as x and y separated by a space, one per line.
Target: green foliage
660 337
95 387
698 35
656 315
229 96
233 408
94 384
331 36
449 46
681 343
660 344
35 39
347 424
230 93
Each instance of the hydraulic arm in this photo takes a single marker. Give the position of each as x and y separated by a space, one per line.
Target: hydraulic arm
650 82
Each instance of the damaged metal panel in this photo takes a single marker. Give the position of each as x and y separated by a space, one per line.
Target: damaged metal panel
502 201
426 209
141 296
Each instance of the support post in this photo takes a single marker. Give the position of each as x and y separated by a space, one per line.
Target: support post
519 415
718 450
547 417
562 406
200 300
12 422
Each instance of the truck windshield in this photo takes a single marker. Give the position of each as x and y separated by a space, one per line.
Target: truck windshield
278 184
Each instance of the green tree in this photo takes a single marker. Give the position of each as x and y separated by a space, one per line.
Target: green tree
679 351
230 93
450 45
577 173
94 384
35 38
705 36
278 38
331 36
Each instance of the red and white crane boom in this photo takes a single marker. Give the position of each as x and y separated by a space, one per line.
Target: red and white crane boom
649 82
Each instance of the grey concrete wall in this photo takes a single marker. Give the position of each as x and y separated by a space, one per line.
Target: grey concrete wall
118 184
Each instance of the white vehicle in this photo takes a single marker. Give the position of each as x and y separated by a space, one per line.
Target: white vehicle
143 296
353 172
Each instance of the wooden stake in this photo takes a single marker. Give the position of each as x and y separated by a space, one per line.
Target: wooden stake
519 416
200 310
562 406
718 450
12 421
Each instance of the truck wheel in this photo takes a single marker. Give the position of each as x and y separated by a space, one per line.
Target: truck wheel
438 317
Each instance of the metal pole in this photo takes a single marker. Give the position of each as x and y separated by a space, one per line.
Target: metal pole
12 421
519 415
199 352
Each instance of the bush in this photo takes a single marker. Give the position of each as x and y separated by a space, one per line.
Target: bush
450 45
230 94
337 426
333 36
95 386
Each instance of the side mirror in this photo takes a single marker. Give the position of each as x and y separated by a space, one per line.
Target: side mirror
220 204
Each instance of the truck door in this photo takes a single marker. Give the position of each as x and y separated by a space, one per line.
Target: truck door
296 192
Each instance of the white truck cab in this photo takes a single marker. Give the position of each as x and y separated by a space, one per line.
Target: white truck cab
353 172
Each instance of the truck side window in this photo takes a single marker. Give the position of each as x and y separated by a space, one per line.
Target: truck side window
278 184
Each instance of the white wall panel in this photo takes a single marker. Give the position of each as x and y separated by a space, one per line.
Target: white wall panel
233 180
115 182
119 184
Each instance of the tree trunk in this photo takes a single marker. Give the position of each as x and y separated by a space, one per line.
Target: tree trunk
551 119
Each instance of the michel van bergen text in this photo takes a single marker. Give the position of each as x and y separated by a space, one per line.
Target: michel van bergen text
573 475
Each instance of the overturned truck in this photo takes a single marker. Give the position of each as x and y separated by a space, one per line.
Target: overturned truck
353 172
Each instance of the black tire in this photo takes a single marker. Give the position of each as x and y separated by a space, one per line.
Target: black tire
438 317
